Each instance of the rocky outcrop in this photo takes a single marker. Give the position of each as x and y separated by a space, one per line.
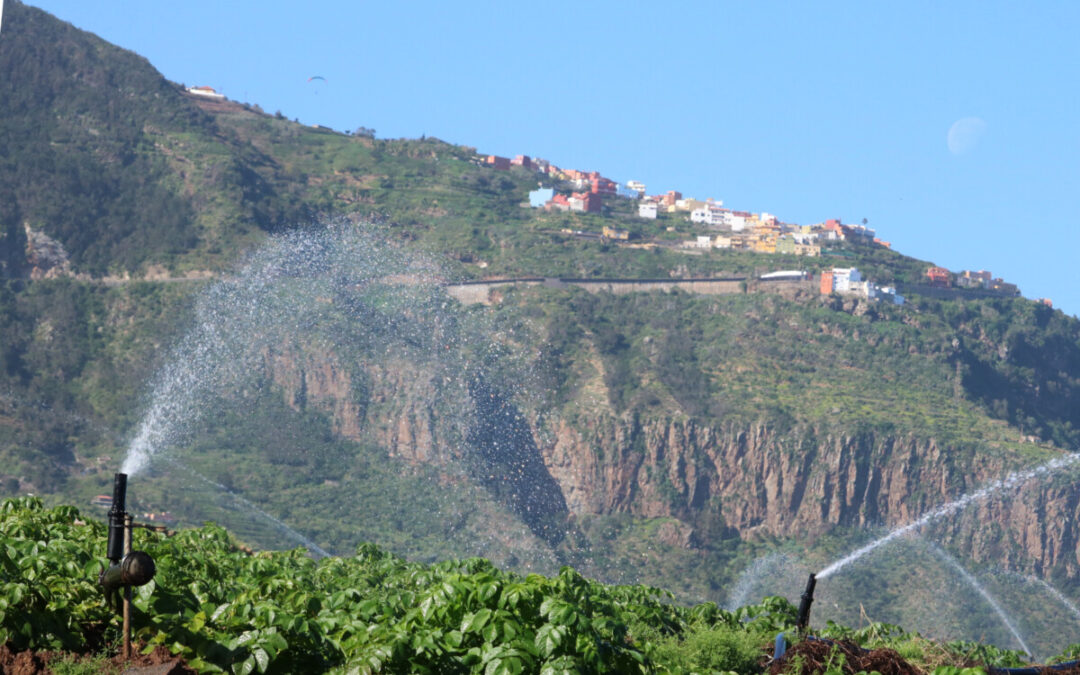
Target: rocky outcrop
798 482
45 256
804 482
388 404
425 417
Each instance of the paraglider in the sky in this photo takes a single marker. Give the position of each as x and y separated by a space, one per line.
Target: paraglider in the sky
316 77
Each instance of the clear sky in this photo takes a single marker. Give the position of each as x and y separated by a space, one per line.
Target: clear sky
805 110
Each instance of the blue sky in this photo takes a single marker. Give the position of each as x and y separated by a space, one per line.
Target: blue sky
805 110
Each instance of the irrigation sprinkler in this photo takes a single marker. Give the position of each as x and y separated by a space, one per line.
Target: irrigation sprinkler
128 568
803 621
117 515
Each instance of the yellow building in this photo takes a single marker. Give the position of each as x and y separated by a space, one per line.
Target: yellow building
763 245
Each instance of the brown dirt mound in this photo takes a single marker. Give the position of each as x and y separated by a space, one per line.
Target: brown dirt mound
29 662
171 665
21 663
818 655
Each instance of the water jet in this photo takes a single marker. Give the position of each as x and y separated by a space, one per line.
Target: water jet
981 590
1012 480
320 320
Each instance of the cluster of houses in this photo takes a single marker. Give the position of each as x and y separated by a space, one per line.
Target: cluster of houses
738 230
764 233
983 280
943 278
585 181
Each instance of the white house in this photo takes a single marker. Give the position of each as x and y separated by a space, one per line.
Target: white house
647 210
736 223
867 289
702 241
843 278
206 92
707 215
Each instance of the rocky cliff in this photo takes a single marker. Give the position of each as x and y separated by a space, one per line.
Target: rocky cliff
798 482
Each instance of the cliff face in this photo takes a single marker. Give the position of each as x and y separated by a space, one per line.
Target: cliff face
381 404
803 482
797 483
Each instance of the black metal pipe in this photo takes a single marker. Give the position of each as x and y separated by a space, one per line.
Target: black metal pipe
115 548
804 607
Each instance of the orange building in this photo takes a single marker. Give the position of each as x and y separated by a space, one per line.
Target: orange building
939 276
826 282
671 197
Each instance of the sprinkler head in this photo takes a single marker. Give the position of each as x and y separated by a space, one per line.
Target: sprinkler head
804 607
115 548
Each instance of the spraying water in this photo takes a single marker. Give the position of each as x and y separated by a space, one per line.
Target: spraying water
1010 481
281 527
1060 597
748 579
281 291
955 565
1049 588
345 299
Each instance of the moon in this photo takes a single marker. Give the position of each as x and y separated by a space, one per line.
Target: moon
964 135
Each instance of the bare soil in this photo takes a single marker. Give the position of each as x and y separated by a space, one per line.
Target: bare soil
29 662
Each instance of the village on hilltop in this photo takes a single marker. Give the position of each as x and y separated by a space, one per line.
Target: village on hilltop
720 227
726 228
